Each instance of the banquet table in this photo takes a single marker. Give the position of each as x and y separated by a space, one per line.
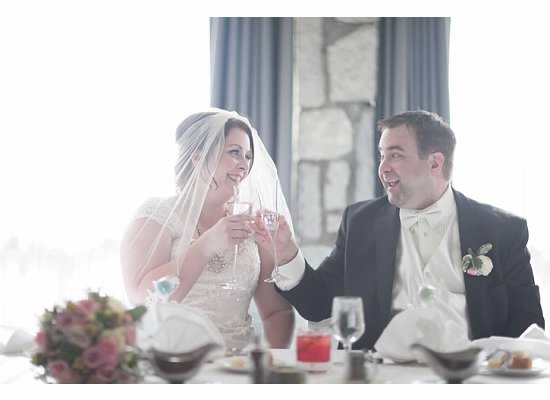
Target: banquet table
18 370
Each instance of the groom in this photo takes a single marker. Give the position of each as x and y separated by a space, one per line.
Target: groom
421 234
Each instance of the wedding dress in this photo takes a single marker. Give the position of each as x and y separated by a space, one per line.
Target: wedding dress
200 142
227 309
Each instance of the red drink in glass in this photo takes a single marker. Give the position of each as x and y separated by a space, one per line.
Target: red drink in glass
313 350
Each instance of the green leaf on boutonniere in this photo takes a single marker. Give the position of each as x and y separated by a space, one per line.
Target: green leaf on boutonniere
466 261
484 249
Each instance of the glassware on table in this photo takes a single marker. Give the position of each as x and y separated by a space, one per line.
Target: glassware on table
270 218
313 348
236 208
271 222
347 320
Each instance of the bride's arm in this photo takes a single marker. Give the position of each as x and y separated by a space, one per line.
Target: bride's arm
276 313
145 257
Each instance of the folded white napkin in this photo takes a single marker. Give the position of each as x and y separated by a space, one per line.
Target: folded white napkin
429 326
535 332
533 340
435 327
177 328
19 343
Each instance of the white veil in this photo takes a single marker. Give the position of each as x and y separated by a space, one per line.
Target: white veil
200 141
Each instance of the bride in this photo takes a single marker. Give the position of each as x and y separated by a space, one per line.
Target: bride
180 249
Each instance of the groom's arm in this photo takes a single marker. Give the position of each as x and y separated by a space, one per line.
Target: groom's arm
311 291
523 295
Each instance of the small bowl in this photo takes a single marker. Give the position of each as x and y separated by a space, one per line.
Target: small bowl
285 374
179 367
453 367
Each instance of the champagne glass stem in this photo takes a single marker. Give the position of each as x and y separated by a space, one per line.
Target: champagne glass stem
347 346
275 262
234 265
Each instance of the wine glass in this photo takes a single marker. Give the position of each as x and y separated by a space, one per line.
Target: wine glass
270 218
236 207
271 222
348 323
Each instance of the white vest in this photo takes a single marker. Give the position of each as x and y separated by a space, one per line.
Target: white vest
442 269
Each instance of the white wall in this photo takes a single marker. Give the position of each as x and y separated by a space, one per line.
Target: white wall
91 95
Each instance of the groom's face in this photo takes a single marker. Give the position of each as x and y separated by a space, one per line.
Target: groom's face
406 177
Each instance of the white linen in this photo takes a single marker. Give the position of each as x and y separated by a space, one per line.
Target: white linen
177 328
427 325
533 340
19 370
16 342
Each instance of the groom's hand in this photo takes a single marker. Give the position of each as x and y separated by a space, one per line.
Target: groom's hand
286 247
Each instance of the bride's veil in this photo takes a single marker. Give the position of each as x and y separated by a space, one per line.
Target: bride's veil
200 142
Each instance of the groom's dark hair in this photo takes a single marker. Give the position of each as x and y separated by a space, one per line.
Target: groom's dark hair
431 131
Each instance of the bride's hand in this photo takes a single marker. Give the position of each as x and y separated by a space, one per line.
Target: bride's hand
227 232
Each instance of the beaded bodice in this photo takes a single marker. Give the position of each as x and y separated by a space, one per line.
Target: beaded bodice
228 309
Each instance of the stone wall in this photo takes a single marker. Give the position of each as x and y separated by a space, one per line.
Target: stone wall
335 92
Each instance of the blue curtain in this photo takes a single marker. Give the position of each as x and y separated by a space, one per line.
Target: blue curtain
413 68
251 73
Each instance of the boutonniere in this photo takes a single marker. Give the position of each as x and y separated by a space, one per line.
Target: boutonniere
478 263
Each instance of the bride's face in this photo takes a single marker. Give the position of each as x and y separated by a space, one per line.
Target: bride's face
234 164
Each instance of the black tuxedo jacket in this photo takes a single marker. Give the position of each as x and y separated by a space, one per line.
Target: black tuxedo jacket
362 263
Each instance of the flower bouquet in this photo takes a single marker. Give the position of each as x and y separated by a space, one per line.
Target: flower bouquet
89 341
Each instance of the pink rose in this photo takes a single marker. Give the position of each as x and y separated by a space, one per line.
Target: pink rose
61 372
105 375
109 351
41 340
93 357
107 345
131 335
65 320
88 307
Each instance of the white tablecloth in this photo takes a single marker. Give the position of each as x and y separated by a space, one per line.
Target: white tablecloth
19 370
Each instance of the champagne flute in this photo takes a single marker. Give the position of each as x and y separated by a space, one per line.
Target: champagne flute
347 320
271 222
270 218
236 207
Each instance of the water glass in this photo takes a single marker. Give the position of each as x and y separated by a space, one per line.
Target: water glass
347 320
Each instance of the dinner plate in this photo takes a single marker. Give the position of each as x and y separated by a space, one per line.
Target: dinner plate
238 364
537 348
536 369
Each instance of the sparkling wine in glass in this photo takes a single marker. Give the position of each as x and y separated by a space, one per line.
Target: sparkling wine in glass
270 218
347 320
236 208
271 222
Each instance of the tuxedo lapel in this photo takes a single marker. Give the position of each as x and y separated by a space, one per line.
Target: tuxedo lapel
471 236
387 233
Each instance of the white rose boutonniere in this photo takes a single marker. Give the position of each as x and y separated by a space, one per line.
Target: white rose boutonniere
478 263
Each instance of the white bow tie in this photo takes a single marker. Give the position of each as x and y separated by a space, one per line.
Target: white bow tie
410 218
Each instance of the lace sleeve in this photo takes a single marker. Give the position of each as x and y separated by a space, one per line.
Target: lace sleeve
161 211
